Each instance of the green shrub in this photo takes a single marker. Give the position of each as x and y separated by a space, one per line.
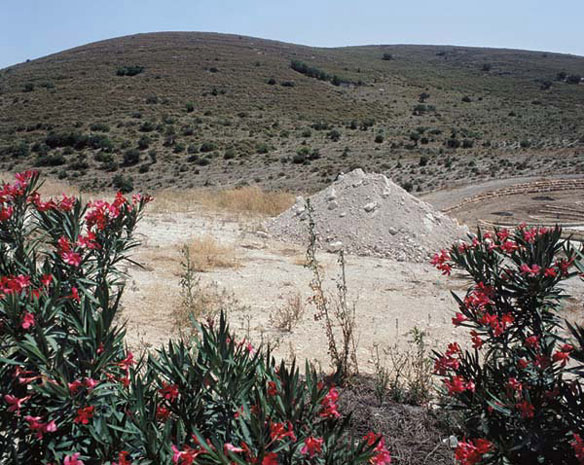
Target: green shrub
131 157
129 70
144 142
229 154
147 126
123 183
208 147
378 139
72 391
387 57
50 159
190 107
262 148
99 127
334 135
520 400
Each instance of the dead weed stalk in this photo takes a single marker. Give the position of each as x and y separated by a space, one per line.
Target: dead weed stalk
334 311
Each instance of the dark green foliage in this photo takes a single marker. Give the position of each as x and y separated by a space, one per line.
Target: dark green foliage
271 81
28 87
190 107
316 73
379 139
51 159
334 135
129 70
99 127
262 148
387 57
131 157
147 126
514 388
208 147
144 142
124 184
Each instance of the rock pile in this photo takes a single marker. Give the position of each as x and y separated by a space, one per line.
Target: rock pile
367 214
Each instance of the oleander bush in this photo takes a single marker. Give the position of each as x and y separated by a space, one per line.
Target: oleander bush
519 389
71 393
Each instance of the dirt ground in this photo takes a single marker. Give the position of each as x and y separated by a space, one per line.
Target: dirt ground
391 298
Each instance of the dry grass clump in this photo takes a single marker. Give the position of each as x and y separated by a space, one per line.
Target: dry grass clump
199 301
247 200
206 253
286 317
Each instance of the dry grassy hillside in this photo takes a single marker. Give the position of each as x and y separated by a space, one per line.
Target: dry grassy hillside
213 109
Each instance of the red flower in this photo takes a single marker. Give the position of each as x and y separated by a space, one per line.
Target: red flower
382 455
6 213
458 319
71 258
312 446
457 385
444 364
271 458
530 271
509 247
186 456
440 262
532 342
272 388
127 362
169 391
503 234
46 280
73 459
162 413
75 386
578 446
526 409
15 403
329 404
279 431
477 342
84 415
74 295
228 447
471 452
27 321
123 459
36 425
563 355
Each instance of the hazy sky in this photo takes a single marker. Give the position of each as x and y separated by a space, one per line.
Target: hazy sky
34 28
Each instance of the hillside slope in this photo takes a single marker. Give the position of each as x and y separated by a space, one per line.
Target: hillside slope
214 109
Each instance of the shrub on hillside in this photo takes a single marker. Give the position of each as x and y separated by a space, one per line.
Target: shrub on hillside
124 184
129 70
73 394
131 157
520 400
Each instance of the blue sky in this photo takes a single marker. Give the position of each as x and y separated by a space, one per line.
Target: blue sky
34 28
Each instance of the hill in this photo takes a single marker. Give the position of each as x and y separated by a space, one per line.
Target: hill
190 109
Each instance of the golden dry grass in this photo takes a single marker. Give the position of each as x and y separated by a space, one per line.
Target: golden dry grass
246 200
207 254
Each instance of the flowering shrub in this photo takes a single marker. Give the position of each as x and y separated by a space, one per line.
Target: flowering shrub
70 392
519 389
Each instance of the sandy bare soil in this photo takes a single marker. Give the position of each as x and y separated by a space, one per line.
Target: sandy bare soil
391 298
